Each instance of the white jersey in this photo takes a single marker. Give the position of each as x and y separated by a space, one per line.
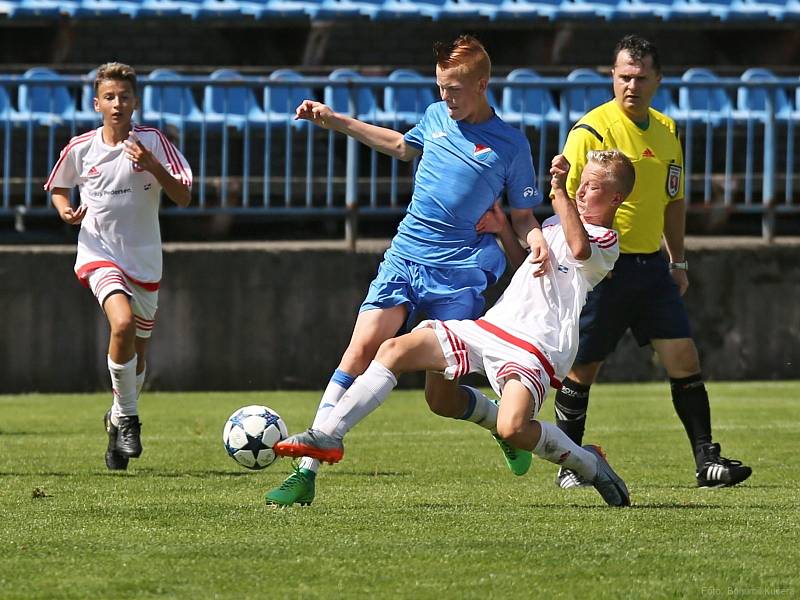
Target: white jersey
544 312
121 224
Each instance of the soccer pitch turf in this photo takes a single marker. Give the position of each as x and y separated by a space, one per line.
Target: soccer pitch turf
421 507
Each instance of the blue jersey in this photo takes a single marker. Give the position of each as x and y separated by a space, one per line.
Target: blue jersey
463 170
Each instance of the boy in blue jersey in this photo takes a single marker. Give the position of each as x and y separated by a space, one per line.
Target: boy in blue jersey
438 263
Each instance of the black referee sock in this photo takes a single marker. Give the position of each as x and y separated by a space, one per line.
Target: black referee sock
690 399
571 403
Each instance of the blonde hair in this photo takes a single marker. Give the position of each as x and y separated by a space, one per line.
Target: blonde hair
466 54
618 168
115 71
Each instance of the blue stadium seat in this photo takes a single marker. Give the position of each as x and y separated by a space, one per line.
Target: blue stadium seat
752 103
581 100
392 10
405 105
781 10
531 106
345 9
219 9
692 10
105 9
42 9
645 10
338 98
233 106
741 10
462 9
663 101
173 104
49 104
587 10
149 9
281 101
511 10
707 104
283 9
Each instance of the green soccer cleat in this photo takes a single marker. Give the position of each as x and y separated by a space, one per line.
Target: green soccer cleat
519 461
297 488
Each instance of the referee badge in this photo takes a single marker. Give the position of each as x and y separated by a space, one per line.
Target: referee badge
673 180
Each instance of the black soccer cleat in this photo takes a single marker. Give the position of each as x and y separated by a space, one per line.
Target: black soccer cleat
114 460
715 471
129 443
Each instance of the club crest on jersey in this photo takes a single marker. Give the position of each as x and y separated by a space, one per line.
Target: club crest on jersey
93 172
481 151
673 180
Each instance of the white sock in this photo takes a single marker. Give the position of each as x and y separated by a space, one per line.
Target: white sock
123 385
365 395
140 382
555 446
482 410
337 387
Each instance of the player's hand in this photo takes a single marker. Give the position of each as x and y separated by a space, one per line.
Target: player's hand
540 252
73 216
681 278
316 112
559 167
493 220
138 153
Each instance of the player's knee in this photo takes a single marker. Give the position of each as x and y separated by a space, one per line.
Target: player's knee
390 353
509 427
123 326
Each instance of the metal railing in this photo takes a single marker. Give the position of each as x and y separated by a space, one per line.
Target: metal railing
250 156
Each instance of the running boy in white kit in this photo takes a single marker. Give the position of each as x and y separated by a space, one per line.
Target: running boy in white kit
120 169
524 344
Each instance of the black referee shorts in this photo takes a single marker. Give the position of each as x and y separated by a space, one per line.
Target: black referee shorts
639 294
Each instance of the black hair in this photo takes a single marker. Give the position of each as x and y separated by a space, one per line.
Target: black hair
638 48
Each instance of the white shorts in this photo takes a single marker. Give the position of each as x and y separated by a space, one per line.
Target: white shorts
144 303
469 348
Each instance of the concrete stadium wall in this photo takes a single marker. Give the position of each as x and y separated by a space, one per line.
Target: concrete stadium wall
278 315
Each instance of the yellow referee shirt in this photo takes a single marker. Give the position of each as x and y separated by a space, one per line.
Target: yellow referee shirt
657 157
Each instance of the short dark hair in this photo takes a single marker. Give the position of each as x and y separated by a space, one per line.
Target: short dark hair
638 48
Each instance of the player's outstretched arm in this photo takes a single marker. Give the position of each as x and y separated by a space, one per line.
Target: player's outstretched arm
382 139
60 199
577 238
137 152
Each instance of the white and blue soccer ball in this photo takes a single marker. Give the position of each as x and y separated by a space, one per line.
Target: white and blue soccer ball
250 433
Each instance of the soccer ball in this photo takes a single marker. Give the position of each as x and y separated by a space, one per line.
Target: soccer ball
250 433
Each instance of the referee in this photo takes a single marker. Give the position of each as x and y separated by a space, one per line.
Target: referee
643 292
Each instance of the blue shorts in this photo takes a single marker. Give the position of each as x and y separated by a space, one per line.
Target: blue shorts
639 294
438 293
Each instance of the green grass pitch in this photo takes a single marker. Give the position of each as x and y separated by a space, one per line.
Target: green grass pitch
421 507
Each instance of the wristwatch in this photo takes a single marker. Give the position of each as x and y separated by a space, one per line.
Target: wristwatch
683 266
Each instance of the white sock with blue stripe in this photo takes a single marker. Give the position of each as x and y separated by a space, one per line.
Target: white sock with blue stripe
368 393
338 385
481 409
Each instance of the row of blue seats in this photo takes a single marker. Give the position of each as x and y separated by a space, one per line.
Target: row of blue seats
53 104
500 10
